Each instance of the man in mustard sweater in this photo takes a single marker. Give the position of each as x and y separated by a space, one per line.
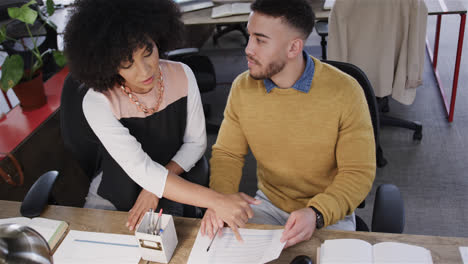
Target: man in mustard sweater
307 124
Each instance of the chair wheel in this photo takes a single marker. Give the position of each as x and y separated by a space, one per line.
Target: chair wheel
417 135
418 132
302 259
381 162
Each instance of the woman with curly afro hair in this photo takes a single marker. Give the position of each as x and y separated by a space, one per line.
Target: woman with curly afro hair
146 111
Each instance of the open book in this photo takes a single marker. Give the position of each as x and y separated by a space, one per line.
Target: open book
230 10
359 251
52 230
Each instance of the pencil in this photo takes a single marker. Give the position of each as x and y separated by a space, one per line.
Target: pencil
216 233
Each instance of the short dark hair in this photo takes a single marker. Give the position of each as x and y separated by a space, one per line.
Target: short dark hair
297 13
102 34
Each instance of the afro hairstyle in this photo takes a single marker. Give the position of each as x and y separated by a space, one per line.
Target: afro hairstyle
102 34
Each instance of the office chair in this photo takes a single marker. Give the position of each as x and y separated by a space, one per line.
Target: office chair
85 147
222 30
358 37
322 30
360 76
388 213
204 72
321 27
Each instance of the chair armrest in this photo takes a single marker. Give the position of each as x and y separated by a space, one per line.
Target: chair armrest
389 213
200 173
182 52
38 196
322 28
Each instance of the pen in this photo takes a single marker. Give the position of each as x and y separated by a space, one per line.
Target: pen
158 223
216 233
150 224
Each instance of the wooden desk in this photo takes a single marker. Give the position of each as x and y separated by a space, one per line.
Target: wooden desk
203 16
443 249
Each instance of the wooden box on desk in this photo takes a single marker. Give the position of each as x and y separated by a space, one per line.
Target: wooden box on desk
158 248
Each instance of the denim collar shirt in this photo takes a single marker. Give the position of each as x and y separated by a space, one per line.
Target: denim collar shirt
304 83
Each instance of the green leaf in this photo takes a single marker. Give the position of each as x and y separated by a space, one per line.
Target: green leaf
47 21
3 33
50 7
24 13
59 58
12 71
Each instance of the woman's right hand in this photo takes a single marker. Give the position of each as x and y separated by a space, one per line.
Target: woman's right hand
234 210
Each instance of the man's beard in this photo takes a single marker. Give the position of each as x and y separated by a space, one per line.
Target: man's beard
272 69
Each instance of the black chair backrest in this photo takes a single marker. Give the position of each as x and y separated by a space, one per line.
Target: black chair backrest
202 68
77 135
361 78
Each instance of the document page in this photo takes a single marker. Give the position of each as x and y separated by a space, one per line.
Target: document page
81 247
259 246
464 254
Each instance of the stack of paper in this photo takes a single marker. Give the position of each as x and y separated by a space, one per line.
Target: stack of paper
80 247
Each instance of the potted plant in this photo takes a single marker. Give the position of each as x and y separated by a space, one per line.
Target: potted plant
23 77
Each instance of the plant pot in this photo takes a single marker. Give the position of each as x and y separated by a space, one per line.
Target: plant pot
31 94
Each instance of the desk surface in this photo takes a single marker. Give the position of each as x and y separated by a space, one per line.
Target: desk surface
203 16
443 249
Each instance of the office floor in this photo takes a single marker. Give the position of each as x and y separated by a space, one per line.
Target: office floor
432 174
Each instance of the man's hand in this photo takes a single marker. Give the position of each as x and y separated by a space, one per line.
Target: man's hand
210 223
299 227
234 210
144 202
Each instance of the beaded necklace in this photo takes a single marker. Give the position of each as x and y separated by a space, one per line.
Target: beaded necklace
141 107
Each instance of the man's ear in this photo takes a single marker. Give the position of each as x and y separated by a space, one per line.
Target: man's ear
295 47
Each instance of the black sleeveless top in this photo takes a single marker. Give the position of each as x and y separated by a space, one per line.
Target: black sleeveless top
161 136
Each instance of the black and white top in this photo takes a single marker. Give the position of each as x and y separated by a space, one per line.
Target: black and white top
136 147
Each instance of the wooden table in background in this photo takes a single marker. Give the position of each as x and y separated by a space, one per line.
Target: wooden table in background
443 249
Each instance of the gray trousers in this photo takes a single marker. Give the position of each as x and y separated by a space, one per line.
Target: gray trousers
267 213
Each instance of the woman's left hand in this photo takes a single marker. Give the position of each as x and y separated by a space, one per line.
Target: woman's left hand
144 202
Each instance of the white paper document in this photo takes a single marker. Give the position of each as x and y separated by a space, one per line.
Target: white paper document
81 247
259 246
464 254
328 4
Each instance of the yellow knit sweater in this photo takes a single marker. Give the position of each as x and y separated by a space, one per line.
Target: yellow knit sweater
312 149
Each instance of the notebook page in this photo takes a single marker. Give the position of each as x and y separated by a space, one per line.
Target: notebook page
392 252
345 251
45 227
80 247
259 246
50 229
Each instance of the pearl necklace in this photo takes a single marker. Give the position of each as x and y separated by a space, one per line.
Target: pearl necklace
141 107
